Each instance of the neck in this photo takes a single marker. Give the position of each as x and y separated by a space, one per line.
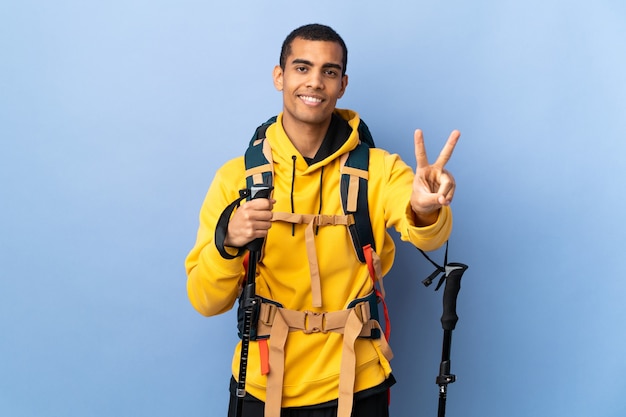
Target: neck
306 137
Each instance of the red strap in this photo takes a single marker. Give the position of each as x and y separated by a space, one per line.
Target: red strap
367 251
265 357
386 313
246 260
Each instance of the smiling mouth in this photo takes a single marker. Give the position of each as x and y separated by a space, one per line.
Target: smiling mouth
310 99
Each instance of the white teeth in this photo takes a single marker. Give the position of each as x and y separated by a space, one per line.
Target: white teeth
311 99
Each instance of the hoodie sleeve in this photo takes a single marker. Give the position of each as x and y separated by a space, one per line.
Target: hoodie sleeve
429 237
213 281
398 213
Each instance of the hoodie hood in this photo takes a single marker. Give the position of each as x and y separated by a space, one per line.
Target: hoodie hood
284 152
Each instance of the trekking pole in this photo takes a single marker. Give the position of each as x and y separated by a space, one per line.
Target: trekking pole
452 275
249 302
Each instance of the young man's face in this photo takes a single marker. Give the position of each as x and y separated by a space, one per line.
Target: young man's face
311 81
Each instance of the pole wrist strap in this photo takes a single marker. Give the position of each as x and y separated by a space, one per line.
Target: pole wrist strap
222 227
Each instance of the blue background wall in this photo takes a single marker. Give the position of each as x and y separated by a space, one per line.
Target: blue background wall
115 115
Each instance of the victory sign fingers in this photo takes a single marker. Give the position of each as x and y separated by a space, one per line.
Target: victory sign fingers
433 185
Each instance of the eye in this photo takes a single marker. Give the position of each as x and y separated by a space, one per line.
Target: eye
301 69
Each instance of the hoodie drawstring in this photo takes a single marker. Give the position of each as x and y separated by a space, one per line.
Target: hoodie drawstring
293 183
319 210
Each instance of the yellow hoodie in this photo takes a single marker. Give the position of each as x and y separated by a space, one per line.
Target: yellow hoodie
312 361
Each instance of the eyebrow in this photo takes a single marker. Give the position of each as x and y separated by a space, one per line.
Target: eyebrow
309 63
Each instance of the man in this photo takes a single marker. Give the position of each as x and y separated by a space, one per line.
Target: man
309 274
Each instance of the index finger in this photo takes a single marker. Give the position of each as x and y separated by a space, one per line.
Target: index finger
448 148
420 149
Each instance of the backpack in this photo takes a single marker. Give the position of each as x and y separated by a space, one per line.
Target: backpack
259 171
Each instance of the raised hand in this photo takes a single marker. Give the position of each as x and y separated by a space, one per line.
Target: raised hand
433 185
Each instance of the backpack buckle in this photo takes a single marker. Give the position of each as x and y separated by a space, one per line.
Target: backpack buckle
267 312
314 322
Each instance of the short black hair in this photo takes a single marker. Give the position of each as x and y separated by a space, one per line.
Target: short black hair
313 32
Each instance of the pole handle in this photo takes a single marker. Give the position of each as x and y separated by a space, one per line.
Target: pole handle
258 191
454 272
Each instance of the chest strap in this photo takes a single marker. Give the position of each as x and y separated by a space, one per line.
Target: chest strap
312 221
352 323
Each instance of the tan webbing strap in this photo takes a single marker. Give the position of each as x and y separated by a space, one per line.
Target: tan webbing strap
356 172
353 193
352 323
258 170
353 184
274 389
256 173
313 322
316 281
335 322
313 220
320 219
347 374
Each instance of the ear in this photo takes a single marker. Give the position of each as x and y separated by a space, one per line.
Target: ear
344 85
278 77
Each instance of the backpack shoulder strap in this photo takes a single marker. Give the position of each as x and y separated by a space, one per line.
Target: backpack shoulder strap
354 177
354 180
258 158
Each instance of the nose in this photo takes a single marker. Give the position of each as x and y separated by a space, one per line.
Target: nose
315 80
